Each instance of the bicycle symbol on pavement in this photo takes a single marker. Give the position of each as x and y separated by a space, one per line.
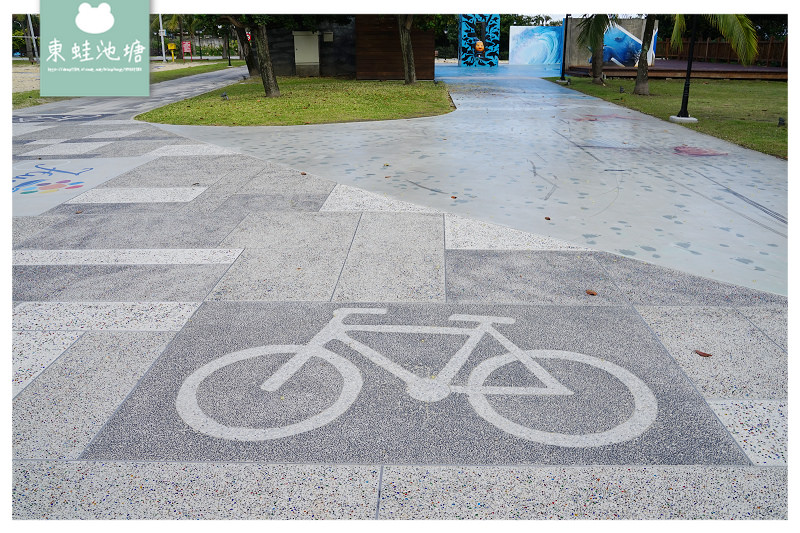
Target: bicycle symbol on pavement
425 389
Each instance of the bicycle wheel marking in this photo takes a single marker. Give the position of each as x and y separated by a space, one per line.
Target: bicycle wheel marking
192 414
644 412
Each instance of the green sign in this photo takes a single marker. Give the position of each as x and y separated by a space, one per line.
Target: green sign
99 48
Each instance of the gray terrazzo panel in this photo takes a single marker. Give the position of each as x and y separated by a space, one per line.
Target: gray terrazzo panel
395 257
159 208
138 230
761 428
259 203
203 170
463 233
112 316
384 423
67 149
771 320
135 147
24 228
304 274
114 282
744 362
283 232
648 284
33 351
82 389
276 179
528 277
347 198
170 491
287 256
585 492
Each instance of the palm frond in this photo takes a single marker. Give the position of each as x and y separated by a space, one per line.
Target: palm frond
739 31
593 28
676 40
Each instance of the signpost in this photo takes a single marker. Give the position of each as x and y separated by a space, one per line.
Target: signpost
186 46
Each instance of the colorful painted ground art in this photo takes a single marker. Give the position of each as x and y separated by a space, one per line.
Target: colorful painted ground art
38 186
535 45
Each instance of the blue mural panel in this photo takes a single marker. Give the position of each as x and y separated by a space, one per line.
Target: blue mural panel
535 45
479 40
622 48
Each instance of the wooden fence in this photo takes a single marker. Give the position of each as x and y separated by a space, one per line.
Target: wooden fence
771 53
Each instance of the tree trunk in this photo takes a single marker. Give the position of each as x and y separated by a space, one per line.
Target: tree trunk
597 63
226 47
29 46
404 26
265 62
247 51
642 84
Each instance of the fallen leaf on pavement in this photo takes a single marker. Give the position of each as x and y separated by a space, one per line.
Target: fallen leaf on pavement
302 173
547 218
591 292
702 354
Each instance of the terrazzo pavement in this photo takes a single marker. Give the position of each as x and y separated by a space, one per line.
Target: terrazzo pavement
449 367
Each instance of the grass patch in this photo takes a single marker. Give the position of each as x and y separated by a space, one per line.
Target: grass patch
744 112
307 101
32 98
201 68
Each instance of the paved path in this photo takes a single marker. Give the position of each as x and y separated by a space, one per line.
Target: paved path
199 333
534 156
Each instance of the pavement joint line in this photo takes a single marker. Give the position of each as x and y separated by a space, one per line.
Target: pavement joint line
444 254
380 488
79 337
784 350
168 345
344 263
692 382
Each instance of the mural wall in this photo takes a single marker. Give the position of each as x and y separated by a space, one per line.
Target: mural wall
535 45
622 48
479 40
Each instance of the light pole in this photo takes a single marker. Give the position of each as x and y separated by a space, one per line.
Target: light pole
161 33
564 51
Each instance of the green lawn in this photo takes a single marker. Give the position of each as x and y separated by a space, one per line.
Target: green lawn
201 68
744 112
31 98
307 101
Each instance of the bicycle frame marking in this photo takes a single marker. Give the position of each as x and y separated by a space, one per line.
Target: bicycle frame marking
421 388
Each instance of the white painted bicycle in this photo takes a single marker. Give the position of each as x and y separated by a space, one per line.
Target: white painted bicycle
426 389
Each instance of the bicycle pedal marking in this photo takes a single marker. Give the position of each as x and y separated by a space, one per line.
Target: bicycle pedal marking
423 389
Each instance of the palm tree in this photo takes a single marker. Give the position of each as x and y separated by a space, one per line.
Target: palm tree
736 29
642 85
592 31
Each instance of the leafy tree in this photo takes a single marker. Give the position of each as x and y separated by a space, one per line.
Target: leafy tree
260 25
592 31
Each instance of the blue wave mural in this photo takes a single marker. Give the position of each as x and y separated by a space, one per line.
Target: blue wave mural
535 45
622 48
